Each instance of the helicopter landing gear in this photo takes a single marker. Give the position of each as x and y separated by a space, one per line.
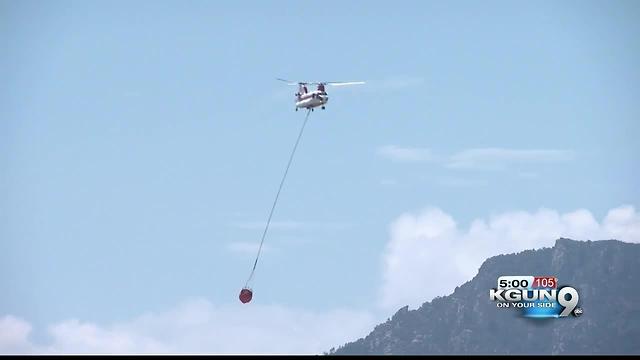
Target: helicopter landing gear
323 108
296 109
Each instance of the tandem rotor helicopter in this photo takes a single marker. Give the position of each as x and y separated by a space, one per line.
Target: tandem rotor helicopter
306 100
319 97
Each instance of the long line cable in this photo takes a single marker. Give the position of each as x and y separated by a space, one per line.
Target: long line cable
275 201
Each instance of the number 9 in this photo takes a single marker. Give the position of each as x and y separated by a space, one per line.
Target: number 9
570 304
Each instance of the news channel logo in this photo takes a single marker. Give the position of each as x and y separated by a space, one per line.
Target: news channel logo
538 297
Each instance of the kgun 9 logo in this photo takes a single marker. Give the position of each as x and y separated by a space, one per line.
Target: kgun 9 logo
536 296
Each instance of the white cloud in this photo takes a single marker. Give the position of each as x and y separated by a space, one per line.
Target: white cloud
198 326
495 158
623 223
247 247
428 253
251 247
388 182
14 335
405 154
288 225
460 182
480 158
74 336
279 225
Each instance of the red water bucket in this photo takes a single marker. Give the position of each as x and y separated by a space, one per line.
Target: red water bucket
245 295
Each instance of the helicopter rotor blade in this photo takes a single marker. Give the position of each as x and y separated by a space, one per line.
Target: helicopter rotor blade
332 83
345 83
289 82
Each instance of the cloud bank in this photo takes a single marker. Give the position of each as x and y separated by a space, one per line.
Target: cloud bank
198 326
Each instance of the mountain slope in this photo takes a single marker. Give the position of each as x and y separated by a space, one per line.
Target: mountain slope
605 273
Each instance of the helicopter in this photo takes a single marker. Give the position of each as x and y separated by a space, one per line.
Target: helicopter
307 100
319 97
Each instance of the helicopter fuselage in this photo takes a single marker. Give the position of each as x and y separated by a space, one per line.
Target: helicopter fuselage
311 100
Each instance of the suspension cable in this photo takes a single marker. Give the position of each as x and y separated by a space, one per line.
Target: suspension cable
275 201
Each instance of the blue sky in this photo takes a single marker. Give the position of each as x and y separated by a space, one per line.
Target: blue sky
142 144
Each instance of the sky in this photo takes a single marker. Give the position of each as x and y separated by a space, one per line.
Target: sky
142 144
